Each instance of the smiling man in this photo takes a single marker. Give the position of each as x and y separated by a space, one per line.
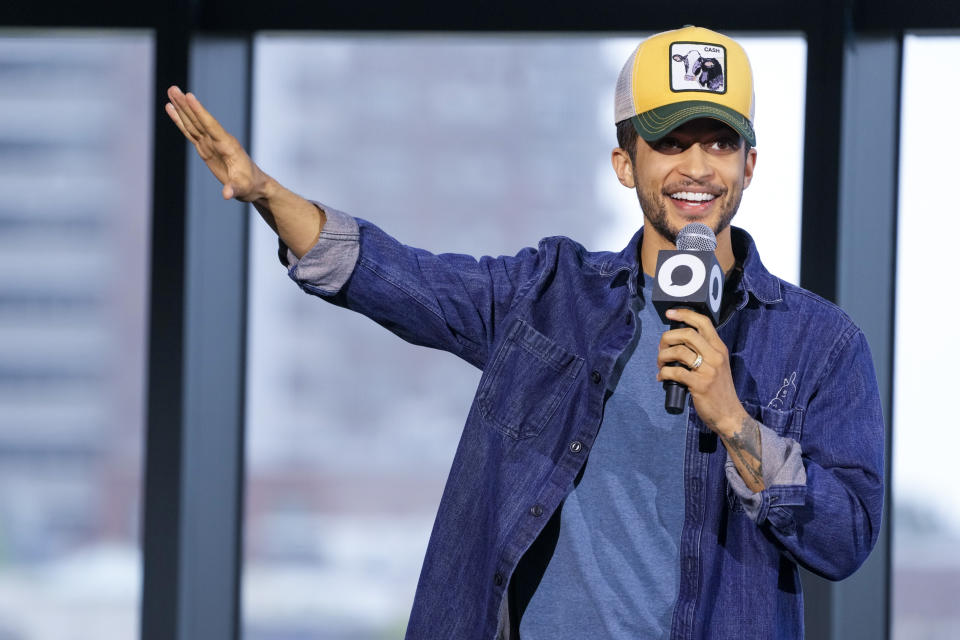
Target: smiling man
577 507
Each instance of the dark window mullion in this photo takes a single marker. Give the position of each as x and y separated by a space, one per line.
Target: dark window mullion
163 462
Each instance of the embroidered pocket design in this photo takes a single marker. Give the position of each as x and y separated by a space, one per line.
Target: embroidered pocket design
789 386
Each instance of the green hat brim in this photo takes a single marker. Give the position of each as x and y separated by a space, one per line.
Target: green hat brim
656 123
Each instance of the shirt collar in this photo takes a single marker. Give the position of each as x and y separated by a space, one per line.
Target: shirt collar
756 280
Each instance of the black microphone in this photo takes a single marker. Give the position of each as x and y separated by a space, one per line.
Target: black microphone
688 278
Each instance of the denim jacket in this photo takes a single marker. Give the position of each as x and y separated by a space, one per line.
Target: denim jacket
546 327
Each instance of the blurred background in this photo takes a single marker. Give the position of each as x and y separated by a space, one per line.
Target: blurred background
482 145
479 143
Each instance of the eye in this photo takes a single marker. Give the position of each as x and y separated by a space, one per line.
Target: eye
668 145
724 144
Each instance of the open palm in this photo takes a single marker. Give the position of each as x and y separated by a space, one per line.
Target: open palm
223 153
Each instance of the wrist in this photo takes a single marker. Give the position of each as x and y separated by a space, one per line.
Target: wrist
732 423
267 190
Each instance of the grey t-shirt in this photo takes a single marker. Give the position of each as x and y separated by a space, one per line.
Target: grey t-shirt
614 572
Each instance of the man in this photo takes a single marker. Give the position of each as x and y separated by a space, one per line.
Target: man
577 507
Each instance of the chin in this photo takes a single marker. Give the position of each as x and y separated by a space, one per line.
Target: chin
668 221
718 221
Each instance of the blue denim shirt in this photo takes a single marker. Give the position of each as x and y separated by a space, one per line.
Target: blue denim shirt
546 327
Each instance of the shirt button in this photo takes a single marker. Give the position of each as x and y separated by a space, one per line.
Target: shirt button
498 579
595 376
536 511
576 446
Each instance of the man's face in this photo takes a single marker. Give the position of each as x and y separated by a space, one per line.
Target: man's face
696 173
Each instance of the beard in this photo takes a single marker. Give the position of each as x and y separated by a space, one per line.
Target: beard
654 207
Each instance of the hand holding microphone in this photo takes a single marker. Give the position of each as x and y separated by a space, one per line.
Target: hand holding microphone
688 278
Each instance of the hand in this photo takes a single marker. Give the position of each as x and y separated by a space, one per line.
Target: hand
712 389
223 154
711 384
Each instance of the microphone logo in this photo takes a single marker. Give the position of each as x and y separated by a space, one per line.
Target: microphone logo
716 288
682 275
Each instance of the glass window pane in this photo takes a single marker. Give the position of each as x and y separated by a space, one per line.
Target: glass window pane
75 131
926 517
771 206
474 144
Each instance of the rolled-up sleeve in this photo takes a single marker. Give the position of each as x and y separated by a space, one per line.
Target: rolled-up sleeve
831 521
782 464
329 263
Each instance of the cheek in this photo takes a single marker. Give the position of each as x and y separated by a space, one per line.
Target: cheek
650 192
648 181
736 177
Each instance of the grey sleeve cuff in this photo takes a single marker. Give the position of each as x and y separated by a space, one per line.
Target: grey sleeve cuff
329 263
783 476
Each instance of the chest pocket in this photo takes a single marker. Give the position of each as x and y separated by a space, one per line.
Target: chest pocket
526 381
786 422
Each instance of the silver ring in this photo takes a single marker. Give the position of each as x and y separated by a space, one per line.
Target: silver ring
696 363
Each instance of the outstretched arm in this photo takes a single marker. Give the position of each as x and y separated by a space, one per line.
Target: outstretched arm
297 221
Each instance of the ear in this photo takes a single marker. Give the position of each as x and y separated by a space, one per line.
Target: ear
623 166
677 57
748 167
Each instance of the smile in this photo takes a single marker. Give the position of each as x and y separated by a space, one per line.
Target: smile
692 196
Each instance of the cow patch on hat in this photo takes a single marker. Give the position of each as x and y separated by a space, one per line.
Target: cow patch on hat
698 66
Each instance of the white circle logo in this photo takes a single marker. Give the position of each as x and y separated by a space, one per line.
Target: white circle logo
716 288
677 290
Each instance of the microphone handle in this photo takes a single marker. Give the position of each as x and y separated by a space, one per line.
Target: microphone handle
675 394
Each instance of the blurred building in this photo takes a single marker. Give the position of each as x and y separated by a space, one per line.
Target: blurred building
74 172
474 145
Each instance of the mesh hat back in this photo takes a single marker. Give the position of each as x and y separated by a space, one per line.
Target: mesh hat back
677 76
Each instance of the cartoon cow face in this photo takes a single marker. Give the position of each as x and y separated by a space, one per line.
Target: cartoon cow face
706 71
691 63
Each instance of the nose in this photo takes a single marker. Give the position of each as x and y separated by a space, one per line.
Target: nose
695 164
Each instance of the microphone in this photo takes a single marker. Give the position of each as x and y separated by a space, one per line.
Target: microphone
688 278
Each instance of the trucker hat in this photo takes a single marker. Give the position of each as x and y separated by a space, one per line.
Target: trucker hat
677 76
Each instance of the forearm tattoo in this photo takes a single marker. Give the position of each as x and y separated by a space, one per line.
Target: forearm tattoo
744 449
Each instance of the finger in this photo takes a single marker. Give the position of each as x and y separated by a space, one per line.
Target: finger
179 103
703 324
690 317
179 100
187 110
173 91
679 354
205 121
678 374
692 339
172 112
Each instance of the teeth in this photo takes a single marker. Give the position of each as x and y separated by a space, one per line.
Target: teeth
693 196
